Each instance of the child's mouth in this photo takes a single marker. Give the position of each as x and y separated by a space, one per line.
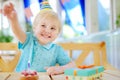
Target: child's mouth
45 36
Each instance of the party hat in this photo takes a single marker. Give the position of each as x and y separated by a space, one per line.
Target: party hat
45 5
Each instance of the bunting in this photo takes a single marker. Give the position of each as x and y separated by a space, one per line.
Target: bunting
75 14
27 10
28 13
0 10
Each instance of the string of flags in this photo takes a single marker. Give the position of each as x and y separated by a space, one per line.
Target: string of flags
28 13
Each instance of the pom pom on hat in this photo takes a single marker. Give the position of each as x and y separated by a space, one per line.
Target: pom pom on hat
45 5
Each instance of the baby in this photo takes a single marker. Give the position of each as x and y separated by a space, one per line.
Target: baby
37 47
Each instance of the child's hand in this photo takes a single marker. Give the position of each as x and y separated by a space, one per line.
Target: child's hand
9 11
55 70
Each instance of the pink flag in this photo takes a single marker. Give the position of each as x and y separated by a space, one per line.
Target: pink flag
28 12
0 10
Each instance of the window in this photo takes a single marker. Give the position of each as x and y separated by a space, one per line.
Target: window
104 15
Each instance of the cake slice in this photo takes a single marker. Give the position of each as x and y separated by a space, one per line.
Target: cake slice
29 75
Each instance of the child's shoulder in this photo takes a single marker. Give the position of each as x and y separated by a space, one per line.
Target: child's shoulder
30 34
57 45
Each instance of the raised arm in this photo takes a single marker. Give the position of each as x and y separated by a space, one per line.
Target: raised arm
9 11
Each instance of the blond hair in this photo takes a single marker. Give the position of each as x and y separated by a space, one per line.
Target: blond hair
44 14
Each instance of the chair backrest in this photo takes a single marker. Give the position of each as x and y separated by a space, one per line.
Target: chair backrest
10 65
98 49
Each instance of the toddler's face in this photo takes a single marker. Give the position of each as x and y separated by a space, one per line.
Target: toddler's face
47 30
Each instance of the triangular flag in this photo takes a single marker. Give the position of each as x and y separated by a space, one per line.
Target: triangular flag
28 13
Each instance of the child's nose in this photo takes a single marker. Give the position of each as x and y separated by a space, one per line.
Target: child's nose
48 30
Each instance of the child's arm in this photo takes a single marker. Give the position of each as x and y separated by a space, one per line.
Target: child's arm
59 69
9 11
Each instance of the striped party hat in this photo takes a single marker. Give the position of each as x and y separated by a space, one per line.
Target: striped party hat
45 5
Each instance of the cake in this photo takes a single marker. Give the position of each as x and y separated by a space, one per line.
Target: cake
29 75
91 73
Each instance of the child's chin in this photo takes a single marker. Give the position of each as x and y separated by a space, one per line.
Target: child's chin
44 43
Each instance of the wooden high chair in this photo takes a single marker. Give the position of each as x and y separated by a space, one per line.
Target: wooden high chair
8 66
98 49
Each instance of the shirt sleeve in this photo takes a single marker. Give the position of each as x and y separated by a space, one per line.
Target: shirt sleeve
22 45
62 56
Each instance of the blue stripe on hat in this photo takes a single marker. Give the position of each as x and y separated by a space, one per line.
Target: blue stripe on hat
45 5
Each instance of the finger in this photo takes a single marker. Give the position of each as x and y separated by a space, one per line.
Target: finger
11 5
7 11
49 71
8 7
4 10
54 73
5 7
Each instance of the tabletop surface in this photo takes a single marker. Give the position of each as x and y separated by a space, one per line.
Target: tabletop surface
108 75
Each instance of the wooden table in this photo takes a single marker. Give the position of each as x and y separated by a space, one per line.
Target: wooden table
16 76
108 75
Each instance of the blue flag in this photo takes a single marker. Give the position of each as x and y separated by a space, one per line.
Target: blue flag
75 14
